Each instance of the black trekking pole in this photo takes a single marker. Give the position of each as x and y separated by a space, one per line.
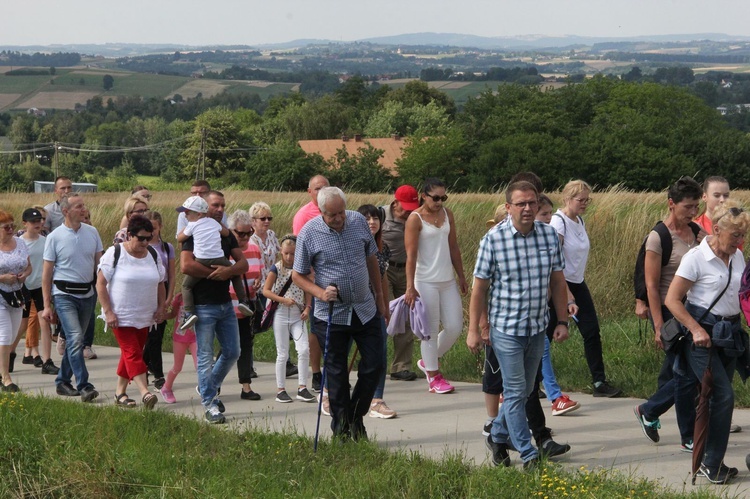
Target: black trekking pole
323 376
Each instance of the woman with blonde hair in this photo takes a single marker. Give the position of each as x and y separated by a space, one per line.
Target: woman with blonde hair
575 245
134 205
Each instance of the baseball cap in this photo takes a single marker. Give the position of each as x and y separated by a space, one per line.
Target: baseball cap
31 215
408 197
194 203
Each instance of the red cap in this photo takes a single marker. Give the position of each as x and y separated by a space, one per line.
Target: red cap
408 197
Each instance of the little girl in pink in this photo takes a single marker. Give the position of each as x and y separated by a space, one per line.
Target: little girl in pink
181 341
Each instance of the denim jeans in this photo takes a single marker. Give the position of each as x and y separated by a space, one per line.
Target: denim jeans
548 374
381 381
721 402
74 315
219 322
519 358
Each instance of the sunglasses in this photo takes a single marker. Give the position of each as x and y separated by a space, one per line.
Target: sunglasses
735 212
143 239
437 199
8 227
264 219
244 234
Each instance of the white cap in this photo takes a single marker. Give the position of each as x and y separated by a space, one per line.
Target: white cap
194 203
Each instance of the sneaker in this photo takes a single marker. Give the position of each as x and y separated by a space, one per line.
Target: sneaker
650 428
735 428
563 405
253 373
49 367
38 362
317 379
27 359
167 395
404 375
245 309
731 471
487 428
213 416
439 385
325 407
251 395
159 383
687 446
88 394
188 319
61 345
89 353
305 396
500 456
283 397
420 365
381 410
720 475
67 390
291 370
550 448
606 390
219 404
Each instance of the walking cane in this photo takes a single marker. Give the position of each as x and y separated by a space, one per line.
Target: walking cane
323 376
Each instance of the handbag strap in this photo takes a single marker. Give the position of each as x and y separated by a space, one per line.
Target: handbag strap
286 286
718 297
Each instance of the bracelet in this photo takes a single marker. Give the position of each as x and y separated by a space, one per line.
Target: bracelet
572 302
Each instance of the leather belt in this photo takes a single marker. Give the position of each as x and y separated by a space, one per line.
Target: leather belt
396 265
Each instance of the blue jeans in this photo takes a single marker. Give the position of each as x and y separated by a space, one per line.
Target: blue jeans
381 382
721 402
548 375
220 322
519 358
74 315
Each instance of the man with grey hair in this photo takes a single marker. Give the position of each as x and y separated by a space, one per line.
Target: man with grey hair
55 217
339 248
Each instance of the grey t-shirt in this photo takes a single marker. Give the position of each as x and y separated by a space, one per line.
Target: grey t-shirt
55 217
393 236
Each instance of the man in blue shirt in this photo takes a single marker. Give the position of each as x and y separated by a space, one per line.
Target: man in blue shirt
339 247
519 263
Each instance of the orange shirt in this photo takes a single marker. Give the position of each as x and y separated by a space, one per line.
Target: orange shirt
705 222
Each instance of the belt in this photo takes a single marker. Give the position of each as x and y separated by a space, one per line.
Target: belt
396 265
731 318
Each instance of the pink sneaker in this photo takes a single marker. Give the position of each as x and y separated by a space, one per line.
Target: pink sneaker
439 385
168 395
420 365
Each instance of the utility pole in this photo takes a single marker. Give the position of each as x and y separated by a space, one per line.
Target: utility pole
200 171
57 161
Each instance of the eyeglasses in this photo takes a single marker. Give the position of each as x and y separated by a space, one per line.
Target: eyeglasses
583 200
264 219
244 234
143 239
146 196
140 212
437 199
530 204
8 227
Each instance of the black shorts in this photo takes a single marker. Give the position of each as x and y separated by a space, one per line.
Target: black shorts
32 294
492 379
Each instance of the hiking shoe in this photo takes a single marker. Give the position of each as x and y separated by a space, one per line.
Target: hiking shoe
381 410
188 319
735 428
251 395
718 475
89 353
439 385
283 397
27 359
213 416
159 383
88 394
404 375
687 446
317 379
650 428
61 345
606 390
167 395
305 396
245 309
38 362
487 428
66 390
500 456
49 367
550 448
563 405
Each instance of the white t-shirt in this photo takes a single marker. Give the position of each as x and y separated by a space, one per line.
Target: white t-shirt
576 245
133 286
709 275
206 238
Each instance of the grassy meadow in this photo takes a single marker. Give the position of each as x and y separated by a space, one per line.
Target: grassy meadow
616 222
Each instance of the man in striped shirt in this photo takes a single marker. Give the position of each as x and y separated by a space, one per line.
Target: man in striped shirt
519 263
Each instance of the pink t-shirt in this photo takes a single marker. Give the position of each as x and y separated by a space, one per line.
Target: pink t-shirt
304 215
189 334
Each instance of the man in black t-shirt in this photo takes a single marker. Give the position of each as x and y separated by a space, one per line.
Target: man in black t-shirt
216 317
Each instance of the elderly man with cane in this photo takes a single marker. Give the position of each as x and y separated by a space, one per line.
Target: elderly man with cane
340 249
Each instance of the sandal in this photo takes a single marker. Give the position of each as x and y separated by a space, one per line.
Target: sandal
149 400
122 400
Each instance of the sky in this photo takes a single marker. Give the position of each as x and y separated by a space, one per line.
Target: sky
253 22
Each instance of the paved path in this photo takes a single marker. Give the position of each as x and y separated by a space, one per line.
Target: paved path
602 433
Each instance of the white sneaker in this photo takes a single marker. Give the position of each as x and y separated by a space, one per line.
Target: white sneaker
89 353
61 345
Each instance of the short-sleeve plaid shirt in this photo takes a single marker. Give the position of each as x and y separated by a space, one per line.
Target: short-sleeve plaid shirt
519 269
340 258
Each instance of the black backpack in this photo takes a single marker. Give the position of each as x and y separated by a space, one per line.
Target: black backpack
639 277
118 250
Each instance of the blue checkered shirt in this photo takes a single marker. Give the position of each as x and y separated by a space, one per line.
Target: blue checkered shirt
519 268
339 258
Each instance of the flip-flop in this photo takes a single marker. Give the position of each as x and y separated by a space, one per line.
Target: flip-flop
122 400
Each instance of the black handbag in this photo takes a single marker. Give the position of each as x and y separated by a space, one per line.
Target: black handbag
672 332
15 299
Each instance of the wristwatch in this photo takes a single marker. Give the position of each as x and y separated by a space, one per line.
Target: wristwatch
562 323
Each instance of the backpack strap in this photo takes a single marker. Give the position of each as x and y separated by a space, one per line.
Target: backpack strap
665 237
118 252
565 227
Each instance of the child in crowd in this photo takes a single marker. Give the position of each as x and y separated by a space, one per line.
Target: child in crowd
182 340
294 308
207 234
